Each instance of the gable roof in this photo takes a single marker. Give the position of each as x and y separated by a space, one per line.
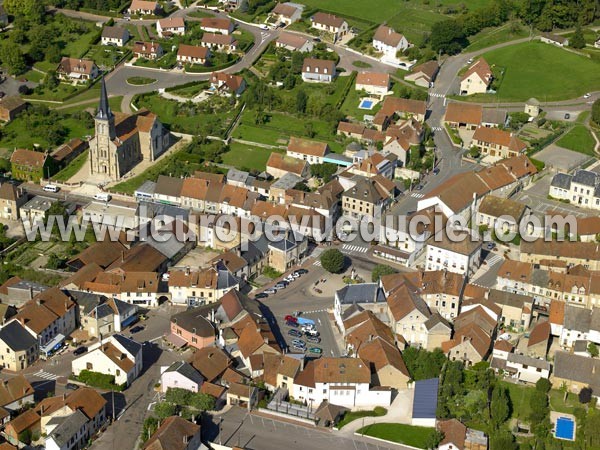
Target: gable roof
314 65
114 32
373 79
173 434
327 19
455 433
172 22
192 51
16 337
69 65
482 69
292 40
211 362
464 113
30 158
14 389
540 333
499 137
382 354
307 147
387 35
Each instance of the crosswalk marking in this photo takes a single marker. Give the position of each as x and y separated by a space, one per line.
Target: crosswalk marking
317 263
437 128
45 375
494 259
437 94
354 248
417 195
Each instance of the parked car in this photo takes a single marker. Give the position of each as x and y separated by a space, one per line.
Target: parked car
289 278
302 271
567 116
436 170
71 386
314 339
311 332
280 286
490 246
292 324
136 329
270 291
261 295
587 95
316 350
295 275
294 333
80 350
290 318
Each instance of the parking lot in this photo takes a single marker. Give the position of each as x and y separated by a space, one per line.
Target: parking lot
300 295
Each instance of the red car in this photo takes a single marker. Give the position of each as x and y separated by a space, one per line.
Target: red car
289 318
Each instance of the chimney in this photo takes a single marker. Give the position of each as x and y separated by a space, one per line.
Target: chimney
187 270
41 410
122 256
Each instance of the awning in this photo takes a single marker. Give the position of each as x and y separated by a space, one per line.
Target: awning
53 344
175 340
129 321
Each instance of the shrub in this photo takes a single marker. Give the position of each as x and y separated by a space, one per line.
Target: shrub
99 380
380 270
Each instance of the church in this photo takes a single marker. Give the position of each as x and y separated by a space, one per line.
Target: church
122 141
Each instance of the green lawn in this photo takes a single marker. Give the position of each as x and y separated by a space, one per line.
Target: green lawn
399 433
72 168
16 134
353 415
557 402
140 81
106 55
534 69
350 106
492 36
189 90
63 91
114 102
519 397
578 139
244 156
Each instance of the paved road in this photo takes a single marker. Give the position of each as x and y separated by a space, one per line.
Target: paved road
254 432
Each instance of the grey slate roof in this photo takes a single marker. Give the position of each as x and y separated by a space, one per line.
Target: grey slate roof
581 369
86 300
578 319
114 32
561 180
540 277
225 279
103 311
595 319
15 336
586 177
580 346
436 319
508 298
186 370
288 181
68 428
528 361
361 293
147 188
425 399
237 175
130 345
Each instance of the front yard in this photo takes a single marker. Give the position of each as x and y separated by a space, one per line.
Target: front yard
246 157
402 434
578 139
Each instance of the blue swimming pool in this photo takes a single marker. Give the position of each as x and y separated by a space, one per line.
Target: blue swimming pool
565 428
366 104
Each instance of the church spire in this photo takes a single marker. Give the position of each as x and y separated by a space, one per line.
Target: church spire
104 111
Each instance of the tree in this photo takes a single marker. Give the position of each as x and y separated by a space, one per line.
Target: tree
203 402
323 171
433 439
499 406
543 385
301 101
149 427
51 80
592 348
12 57
332 260
577 40
585 395
5 165
165 409
380 270
502 440
447 36
596 112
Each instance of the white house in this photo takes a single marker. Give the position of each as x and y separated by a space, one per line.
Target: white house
526 368
330 23
582 188
554 39
373 83
318 70
312 152
170 26
477 78
200 286
192 54
294 43
462 255
116 355
340 381
180 375
388 42
286 13
216 25
114 36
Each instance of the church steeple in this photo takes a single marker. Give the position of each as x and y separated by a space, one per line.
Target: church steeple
104 112
105 119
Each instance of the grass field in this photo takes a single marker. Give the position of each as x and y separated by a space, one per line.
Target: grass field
519 397
241 155
353 415
400 433
578 139
492 36
16 134
534 69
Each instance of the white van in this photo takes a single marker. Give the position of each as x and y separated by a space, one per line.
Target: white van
102 196
51 188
